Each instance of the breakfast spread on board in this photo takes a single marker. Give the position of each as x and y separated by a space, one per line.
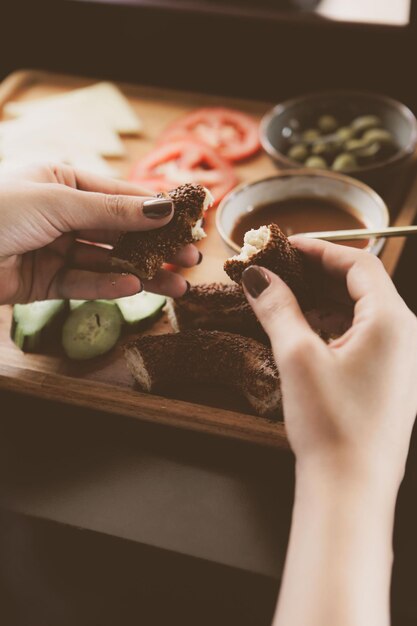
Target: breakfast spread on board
215 337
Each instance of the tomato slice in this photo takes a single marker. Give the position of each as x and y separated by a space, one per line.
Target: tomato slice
233 134
173 164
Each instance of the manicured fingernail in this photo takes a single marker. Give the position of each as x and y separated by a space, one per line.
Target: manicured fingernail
188 287
255 280
200 257
157 208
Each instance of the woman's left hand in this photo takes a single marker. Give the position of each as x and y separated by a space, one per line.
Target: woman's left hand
48 214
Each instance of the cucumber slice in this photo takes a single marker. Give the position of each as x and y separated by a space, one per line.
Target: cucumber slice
36 326
91 329
142 306
74 304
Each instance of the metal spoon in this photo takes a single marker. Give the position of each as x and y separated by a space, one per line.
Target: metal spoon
362 233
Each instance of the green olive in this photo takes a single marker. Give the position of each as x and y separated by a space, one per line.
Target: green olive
379 135
344 133
327 123
320 149
310 135
344 162
298 152
316 162
325 149
370 151
355 144
365 122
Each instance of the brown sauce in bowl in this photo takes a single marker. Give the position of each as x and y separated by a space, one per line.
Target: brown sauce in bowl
300 215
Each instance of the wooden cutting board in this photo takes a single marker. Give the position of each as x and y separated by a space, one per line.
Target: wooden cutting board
105 383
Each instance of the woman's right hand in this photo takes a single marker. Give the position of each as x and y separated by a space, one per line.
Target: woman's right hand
349 406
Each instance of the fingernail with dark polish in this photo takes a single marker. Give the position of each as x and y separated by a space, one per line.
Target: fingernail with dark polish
188 287
157 208
255 280
200 257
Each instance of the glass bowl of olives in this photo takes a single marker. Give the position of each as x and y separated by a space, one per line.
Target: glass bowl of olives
364 135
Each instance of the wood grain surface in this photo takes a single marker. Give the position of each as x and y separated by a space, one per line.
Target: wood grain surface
105 383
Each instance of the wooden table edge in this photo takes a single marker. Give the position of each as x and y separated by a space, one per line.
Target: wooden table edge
131 403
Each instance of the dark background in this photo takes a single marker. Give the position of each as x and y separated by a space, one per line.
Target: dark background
52 574
264 58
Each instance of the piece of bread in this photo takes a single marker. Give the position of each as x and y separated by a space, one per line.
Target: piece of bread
215 306
143 253
269 247
213 357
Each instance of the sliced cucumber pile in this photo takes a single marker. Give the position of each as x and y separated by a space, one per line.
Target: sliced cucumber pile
91 329
36 326
142 306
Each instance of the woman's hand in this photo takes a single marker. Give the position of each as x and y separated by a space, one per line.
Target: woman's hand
44 213
349 405
349 410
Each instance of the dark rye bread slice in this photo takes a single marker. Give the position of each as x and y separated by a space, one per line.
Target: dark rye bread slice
212 357
223 307
278 255
143 253
215 306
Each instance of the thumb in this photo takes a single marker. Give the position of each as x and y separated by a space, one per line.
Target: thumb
72 209
277 309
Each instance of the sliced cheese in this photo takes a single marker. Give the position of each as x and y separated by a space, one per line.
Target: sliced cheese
59 132
102 101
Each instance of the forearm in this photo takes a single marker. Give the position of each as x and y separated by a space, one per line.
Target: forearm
339 558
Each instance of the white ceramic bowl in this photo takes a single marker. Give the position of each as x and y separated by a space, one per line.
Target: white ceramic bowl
366 204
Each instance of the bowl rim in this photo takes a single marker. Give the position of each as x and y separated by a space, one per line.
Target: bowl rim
279 108
373 246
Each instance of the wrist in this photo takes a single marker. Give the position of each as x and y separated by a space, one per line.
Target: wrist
340 551
345 478
351 508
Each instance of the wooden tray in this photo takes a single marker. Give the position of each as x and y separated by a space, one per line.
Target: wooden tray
106 383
